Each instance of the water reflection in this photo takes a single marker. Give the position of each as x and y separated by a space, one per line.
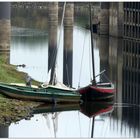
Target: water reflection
116 124
54 110
32 48
124 123
115 65
52 113
35 18
108 122
28 32
92 109
4 131
45 108
131 72
103 44
131 117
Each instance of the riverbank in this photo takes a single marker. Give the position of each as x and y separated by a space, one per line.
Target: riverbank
12 110
9 74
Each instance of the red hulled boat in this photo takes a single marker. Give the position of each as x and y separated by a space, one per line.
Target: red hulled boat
100 92
96 91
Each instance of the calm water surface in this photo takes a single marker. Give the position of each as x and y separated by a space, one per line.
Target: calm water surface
29 46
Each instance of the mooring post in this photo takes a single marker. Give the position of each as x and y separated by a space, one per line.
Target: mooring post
52 31
68 44
5 27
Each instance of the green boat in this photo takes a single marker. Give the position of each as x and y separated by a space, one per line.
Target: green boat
48 94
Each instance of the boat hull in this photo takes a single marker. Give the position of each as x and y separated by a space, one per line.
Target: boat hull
91 93
39 94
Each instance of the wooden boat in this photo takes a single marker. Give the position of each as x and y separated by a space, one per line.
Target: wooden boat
99 92
96 91
48 94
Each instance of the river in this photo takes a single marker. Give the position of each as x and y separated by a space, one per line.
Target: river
29 46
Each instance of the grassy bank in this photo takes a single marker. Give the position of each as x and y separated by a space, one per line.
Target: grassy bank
12 110
9 74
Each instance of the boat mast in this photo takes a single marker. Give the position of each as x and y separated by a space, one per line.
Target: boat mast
53 70
92 45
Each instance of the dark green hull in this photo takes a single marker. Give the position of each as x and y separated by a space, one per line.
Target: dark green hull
51 108
49 94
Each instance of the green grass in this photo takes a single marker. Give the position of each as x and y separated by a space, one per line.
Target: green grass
9 74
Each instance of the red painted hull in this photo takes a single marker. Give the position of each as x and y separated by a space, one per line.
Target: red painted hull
96 93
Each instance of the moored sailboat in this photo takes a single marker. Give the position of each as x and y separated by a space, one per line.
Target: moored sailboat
96 91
